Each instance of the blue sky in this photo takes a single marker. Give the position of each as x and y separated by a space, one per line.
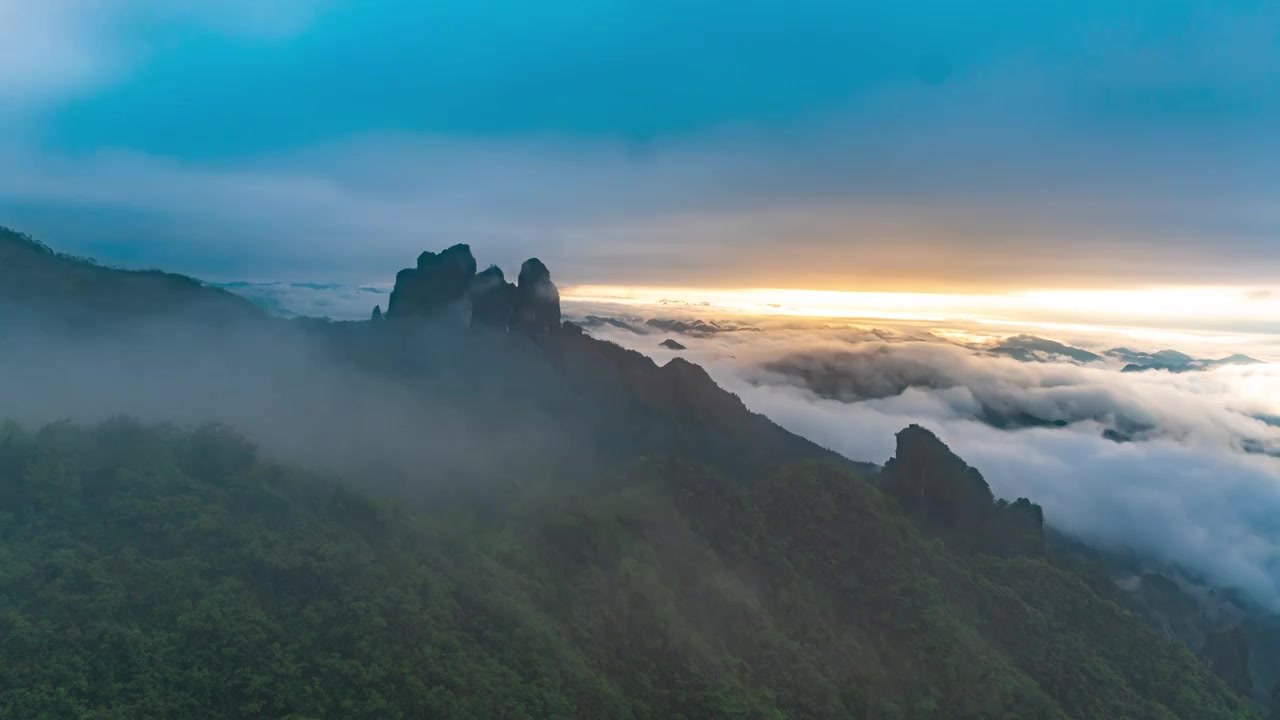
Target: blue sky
919 144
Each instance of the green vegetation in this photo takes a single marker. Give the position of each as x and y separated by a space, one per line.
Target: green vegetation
155 572
81 293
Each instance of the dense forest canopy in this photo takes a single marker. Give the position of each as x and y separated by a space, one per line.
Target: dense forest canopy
156 572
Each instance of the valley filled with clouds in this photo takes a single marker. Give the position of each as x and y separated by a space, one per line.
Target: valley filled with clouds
1176 463
1128 443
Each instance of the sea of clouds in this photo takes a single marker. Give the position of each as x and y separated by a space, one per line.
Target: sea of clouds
1182 468
1178 467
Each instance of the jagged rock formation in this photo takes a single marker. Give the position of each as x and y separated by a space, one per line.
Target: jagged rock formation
935 484
493 299
438 281
537 307
447 283
945 495
377 313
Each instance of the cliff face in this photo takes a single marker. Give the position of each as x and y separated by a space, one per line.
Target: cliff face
946 496
446 283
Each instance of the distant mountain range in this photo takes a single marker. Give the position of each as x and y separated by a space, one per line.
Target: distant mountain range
1029 348
693 328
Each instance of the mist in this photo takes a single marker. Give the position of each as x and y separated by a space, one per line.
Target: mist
1192 485
307 394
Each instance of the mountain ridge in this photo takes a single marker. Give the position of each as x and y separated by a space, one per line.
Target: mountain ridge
638 516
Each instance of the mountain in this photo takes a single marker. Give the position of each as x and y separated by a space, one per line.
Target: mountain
697 328
507 384
1029 348
693 328
469 508
157 572
1237 639
595 321
79 293
1173 361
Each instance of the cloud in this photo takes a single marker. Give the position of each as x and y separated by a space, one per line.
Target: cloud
56 48
1186 492
1198 406
49 48
319 300
1037 148
846 207
295 394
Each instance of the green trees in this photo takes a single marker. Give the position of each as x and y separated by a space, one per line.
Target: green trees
155 572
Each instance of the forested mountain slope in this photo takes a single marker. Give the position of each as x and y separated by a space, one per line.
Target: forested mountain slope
467 508
431 395
81 294
151 572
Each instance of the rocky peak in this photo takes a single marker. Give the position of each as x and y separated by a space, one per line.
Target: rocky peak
445 281
438 280
931 480
492 299
944 494
537 301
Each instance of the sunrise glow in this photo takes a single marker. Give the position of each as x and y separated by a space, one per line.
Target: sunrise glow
1175 307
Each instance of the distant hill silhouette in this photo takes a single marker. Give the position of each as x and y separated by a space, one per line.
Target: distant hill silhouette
77 291
1029 348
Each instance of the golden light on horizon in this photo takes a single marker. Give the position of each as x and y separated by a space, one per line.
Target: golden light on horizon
1158 314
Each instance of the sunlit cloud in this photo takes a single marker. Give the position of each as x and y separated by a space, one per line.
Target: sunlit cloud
1171 315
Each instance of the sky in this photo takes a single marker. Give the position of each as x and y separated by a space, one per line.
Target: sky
935 146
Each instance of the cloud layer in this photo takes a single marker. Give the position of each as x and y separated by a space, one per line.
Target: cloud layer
1187 490
876 145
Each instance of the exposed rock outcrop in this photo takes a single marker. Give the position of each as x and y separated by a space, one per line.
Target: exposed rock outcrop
537 306
947 496
934 484
447 284
436 282
493 299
